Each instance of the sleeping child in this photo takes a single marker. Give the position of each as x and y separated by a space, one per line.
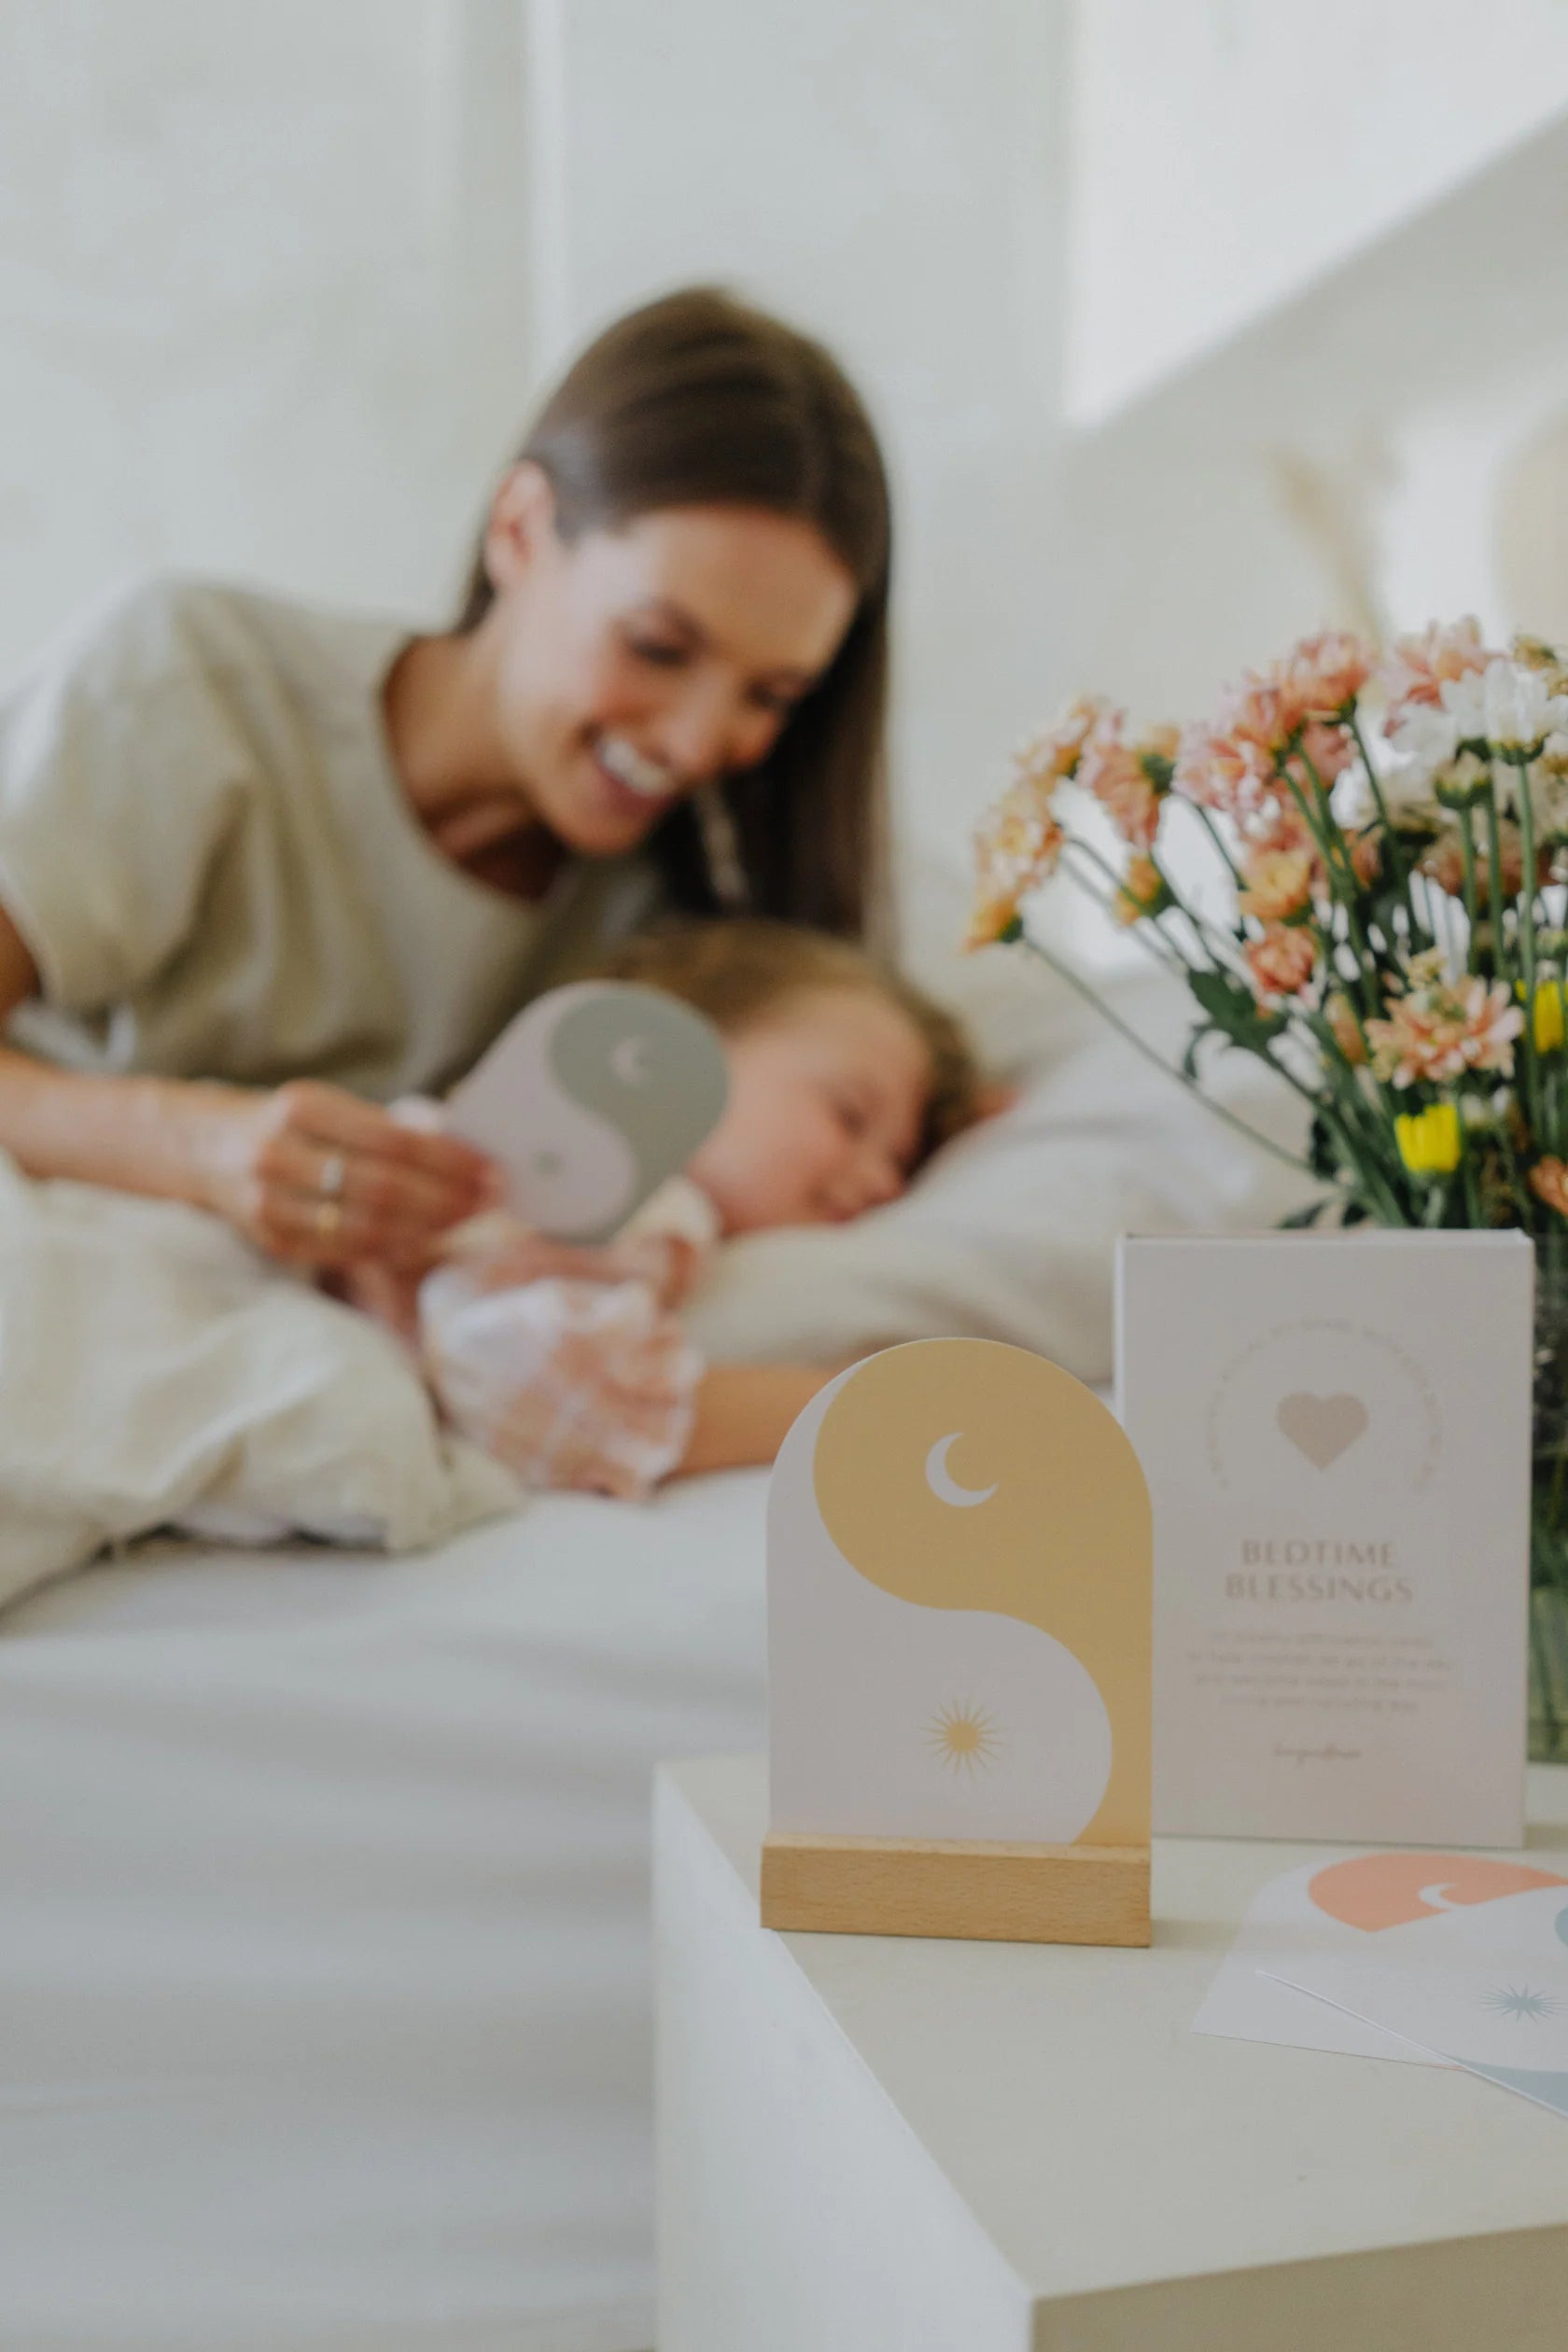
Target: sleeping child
571 1365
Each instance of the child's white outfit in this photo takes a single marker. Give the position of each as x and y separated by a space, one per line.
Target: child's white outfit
572 1382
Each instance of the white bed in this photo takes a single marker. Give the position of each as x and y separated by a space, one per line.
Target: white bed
323 1963
323 1975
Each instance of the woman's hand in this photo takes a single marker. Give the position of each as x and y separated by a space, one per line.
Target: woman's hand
313 1174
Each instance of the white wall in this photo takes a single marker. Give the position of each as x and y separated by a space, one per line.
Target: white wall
262 293
888 174
1227 152
278 284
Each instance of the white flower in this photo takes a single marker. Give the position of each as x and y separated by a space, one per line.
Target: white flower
1506 704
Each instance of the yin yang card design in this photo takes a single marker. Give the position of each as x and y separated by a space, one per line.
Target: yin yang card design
590 1099
959 1606
1335 1430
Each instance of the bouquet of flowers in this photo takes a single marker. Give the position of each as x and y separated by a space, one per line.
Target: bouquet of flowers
1359 869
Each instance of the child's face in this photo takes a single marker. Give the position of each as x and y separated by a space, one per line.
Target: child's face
827 1098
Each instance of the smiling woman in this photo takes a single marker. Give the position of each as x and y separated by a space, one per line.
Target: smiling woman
263 868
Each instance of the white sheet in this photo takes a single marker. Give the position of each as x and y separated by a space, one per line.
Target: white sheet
324 1980
154 1368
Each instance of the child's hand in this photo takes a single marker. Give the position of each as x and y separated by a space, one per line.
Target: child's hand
499 1253
570 1384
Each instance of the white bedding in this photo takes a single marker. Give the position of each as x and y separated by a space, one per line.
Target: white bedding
324 2002
324 1958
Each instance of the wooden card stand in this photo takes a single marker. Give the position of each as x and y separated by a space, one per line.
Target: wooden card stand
984 1891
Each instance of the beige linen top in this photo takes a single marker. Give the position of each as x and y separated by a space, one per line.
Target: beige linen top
212 861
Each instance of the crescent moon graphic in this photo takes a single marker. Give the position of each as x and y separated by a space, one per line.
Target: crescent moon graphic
629 1061
941 1479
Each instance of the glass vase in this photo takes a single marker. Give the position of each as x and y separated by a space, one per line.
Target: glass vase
1548 1519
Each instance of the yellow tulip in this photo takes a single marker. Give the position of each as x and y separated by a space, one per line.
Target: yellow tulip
1546 1024
1547 1016
1429 1139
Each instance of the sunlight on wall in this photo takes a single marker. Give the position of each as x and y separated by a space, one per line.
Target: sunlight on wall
262 294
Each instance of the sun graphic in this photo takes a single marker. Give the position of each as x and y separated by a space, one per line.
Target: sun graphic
1518 2000
965 1737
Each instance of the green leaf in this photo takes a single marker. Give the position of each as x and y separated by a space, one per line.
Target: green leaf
1233 1010
1300 1218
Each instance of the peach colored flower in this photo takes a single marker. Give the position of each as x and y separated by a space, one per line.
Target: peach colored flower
1328 748
1049 759
1548 1182
1115 774
1016 848
1142 886
1416 669
1322 676
1444 864
1366 855
1278 882
1283 830
1342 1019
1229 772
1283 962
1159 742
1442 1028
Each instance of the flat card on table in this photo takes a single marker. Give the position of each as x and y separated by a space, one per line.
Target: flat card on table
959 1606
1482 1984
1340 1907
1335 1432
589 1100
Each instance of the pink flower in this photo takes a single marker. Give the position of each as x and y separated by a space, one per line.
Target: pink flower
1417 667
1441 1027
1281 963
1233 764
1278 883
1115 774
1016 848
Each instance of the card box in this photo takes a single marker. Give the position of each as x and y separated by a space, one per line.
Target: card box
1335 1434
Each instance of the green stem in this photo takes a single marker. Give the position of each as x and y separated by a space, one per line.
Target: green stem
1124 1028
1218 839
1525 923
1396 849
1467 853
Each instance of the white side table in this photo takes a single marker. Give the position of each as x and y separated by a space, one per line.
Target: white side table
876 2145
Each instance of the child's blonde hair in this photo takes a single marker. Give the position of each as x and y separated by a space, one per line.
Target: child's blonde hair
739 971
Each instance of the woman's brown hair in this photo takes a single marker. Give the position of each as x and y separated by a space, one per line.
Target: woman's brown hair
699 399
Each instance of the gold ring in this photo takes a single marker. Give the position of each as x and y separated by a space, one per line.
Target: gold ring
329 1217
334 1170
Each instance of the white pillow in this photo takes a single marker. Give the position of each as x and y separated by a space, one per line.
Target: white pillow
1010 1233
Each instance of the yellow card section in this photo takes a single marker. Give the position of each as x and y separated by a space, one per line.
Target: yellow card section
961 1474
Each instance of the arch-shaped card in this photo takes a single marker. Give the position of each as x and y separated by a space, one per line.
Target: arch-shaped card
959 1608
589 1100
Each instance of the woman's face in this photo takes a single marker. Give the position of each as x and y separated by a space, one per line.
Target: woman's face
629 667
827 1100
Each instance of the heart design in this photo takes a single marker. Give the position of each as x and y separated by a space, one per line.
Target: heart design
1322 1427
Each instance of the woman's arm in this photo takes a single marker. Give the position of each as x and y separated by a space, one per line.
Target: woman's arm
307 1171
745 1412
